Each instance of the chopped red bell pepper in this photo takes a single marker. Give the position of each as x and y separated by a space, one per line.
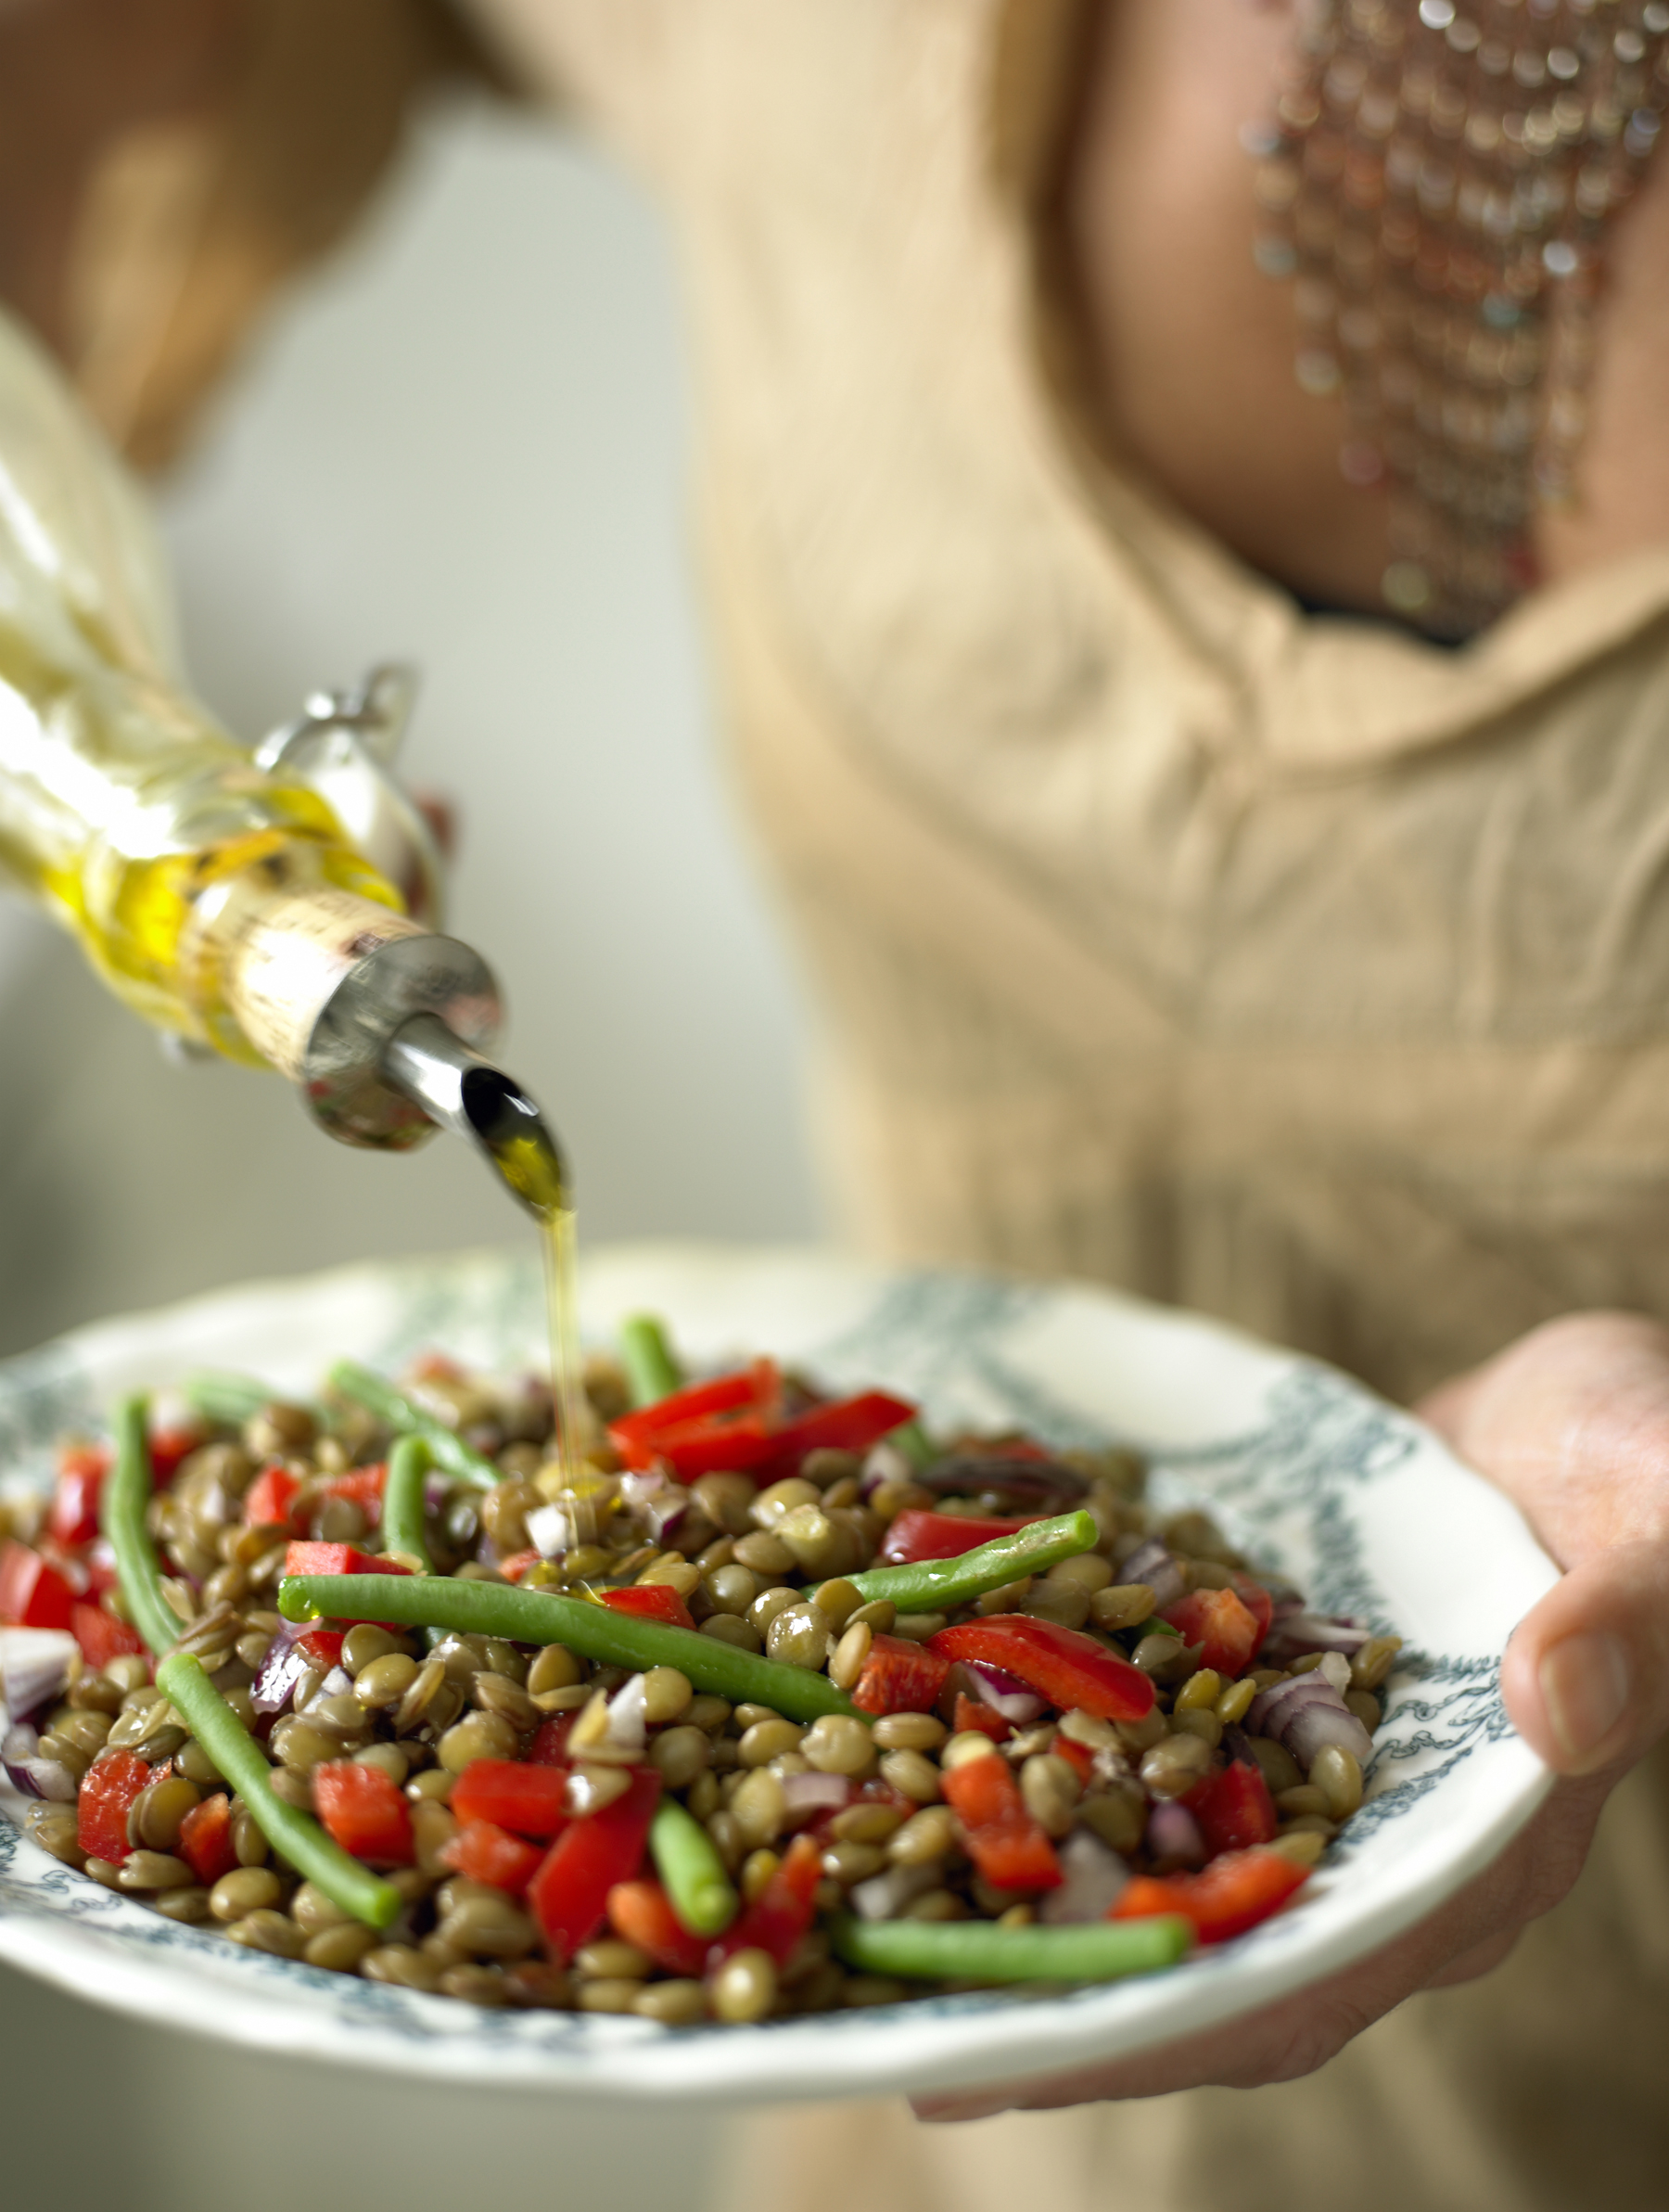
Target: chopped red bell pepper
899 1677
312 1558
527 1799
516 1565
205 1840
1069 1669
734 1423
846 1425
268 1500
1234 1809
284 1664
549 1746
363 1810
72 1516
1221 1624
485 1852
691 1415
919 1534
109 1788
569 1893
169 1448
1225 1899
304 1558
973 1713
1004 1842
363 1486
781 1913
650 1601
642 1912
33 1594
101 1636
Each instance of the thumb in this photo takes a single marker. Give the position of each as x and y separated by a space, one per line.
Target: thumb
1585 1678
1572 1423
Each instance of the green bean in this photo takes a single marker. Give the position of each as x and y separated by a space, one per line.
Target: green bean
394 1408
294 1834
692 1872
122 1503
402 1528
940 1585
544 1616
651 1371
230 1400
1099 1950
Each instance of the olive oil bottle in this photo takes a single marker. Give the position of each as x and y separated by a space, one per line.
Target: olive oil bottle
227 902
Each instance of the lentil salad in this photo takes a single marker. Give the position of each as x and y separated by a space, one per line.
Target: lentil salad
772 1704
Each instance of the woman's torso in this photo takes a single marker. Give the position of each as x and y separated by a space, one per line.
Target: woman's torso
1291 968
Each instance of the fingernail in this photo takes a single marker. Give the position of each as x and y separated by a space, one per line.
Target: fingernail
1585 1682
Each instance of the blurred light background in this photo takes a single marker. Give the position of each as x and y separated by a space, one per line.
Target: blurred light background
462 444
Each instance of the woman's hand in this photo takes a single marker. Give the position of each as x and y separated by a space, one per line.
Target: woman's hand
1572 1423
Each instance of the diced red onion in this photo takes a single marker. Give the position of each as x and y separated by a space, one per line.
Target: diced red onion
973 1475
336 1683
17 1747
34 1666
883 1896
1094 1875
806 1796
1005 1692
281 1670
1173 1834
31 1775
662 1503
1321 1722
1304 1713
885 1463
1293 1634
627 1724
1153 1565
549 1531
1262 1713
667 1511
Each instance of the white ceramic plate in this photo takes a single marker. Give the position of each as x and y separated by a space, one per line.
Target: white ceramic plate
1359 1504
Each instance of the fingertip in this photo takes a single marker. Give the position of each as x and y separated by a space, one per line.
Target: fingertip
1568 1691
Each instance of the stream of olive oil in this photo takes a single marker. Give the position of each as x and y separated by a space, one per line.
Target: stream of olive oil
532 1167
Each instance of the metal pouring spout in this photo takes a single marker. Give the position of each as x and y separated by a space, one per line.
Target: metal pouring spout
427 1063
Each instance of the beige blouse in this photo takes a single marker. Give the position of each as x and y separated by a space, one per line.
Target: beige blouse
1286 968
1290 968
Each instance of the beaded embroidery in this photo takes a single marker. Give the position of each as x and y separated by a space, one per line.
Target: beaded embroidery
1439 183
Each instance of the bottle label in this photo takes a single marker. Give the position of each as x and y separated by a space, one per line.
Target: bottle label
290 958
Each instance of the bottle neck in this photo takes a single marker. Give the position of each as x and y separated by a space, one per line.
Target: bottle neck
316 979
